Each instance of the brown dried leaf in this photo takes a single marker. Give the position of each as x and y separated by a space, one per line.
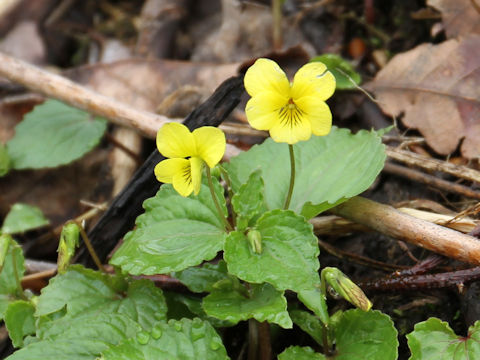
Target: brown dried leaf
460 17
145 83
437 87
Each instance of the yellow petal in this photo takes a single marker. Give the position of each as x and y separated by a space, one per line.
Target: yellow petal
210 143
182 180
196 169
263 109
318 113
174 140
291 132
266 75
313 79
167 169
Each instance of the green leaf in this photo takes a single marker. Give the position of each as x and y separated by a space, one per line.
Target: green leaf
201 279
262 302
365 335
315 301
308 323
54 134
84 338
82 290
345 75
174 233
9 287
300 353
23 217
19 321
435 340
187 306
329 169
289 259
249 201
5 162
185 339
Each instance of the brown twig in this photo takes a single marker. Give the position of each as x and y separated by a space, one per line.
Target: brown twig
61 88
422 267
391 222
431 180
125 149
432 281
407 157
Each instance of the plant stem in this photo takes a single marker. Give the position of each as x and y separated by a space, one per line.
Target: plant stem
90 248
215 200
292 177
252 339
20 292
326 348
226 177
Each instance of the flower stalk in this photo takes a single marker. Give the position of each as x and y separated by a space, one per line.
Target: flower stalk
215 200
292 177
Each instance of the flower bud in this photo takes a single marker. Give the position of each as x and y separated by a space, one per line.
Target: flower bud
255 239
69 240
346 288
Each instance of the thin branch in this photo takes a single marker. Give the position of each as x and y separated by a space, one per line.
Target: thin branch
432 281
61 88
389 221
431 180
427 163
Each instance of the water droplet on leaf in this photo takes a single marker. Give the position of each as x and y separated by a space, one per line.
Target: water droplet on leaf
215 344
198 332
143 337
178 326
157 332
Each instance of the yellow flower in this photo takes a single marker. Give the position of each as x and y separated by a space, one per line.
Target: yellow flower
187 152
291 112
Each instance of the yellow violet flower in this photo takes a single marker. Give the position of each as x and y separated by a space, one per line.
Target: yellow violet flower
290 112
187 152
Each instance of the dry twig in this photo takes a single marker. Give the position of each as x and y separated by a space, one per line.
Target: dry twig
61 88
407 157
391 222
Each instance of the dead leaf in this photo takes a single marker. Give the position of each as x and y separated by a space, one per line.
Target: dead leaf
460 17
437 87
24 42
145 83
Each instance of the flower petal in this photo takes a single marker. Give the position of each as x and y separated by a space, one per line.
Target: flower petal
210 143
292 132
262 110
196 169
182 181
313 79
166 170
266 75
318 113
174 140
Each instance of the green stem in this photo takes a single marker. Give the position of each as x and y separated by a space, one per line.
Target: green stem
89 246
226 177
215 200
327 351
292 177
20 292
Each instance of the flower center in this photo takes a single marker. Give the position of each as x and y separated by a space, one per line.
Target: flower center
290 114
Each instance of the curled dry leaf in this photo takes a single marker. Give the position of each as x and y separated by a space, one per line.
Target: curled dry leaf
460 17
437 87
